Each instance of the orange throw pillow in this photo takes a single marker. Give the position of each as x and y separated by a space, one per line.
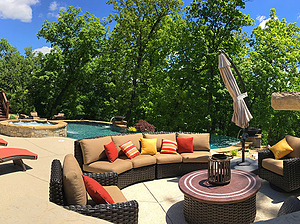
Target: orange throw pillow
129 149
168 147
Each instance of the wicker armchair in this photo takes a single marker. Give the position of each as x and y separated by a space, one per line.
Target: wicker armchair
290 180
126 212
291 204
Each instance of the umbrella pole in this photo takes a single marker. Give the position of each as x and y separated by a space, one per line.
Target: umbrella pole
243 140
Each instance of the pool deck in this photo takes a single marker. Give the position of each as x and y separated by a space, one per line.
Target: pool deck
24 195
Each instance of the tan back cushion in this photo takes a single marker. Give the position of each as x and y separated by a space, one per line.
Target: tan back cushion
73 183
115 193
201 142
160 137
294 142
93 149
121 139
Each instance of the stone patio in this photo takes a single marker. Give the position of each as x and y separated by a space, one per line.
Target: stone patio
24 195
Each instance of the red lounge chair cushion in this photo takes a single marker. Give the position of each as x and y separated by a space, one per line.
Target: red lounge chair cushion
97 191
3 142
185 145
111 152
16 152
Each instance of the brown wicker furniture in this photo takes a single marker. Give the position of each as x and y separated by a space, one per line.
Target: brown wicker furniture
165 165
289 179
231 203
125 212
291 204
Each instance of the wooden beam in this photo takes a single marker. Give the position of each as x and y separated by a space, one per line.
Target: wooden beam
285 101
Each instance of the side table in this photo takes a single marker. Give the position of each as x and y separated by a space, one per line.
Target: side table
231 203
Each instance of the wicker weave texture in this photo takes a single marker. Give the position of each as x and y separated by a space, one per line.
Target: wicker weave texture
56 184
126 212
291 204
136 175
196 212
168 170
291 172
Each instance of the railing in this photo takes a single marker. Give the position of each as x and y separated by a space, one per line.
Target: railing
5 103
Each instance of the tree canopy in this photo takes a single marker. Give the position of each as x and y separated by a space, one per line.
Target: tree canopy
158 63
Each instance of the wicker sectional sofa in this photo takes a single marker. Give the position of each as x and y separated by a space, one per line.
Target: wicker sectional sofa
90 154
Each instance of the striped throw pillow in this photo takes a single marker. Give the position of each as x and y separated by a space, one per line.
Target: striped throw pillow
129 149
169 147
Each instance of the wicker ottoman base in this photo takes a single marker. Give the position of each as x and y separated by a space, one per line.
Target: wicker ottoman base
204 213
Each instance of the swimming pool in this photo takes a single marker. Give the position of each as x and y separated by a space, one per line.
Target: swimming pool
79 130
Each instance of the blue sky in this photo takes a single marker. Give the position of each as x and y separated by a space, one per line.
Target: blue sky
20 20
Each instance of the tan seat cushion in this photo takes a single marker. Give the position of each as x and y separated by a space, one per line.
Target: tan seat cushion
93 149
294 142
201 142
118 166
160 137
115 193
162 158
143 160
73 183
195 157
274 165
121 139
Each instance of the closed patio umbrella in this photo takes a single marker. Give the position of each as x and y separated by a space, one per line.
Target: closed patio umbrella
241 114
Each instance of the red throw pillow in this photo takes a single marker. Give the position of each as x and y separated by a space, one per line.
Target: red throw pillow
111 152
97 191
185 145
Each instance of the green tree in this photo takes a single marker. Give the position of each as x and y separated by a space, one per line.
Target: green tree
273 62
15 76
211 25
138 51
77 40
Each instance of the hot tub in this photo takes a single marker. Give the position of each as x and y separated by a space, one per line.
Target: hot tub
33 128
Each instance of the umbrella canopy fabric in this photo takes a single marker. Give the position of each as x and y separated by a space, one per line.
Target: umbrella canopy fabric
241 114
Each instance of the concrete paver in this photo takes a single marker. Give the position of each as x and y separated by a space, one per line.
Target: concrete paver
24 196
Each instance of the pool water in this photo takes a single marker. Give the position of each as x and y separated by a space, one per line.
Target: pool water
220 141
31 123
86 130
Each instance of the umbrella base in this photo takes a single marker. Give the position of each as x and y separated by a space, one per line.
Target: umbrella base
243 163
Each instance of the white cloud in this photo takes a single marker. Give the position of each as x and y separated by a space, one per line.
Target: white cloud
54 9
44 50
263 23
53 6
17 9
260 18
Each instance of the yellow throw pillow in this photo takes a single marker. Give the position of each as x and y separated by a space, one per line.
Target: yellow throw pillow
148 146
281 149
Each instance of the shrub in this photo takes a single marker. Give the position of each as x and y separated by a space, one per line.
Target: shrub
144 126
12 117
234 152
131 128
